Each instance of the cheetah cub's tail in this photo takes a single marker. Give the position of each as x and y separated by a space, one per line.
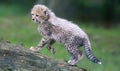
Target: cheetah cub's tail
88 52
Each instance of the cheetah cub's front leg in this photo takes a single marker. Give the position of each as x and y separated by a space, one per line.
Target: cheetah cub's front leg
43 42
51 49
49 46
40 45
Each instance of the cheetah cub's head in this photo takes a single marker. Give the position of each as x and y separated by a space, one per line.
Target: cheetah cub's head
39 13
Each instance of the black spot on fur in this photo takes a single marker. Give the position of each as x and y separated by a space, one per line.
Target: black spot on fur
77 41
48 28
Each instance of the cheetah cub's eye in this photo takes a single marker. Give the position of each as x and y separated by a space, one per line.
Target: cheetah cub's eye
37 15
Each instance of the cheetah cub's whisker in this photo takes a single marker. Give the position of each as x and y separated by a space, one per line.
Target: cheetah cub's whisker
54 29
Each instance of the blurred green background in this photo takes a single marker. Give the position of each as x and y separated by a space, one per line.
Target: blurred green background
98 18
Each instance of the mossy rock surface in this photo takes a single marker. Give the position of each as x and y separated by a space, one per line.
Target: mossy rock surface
17 58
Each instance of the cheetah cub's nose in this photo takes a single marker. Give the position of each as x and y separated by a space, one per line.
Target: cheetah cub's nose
33 19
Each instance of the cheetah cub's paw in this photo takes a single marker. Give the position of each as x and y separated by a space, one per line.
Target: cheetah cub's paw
34 49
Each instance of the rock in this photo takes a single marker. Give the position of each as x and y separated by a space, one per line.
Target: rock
18 58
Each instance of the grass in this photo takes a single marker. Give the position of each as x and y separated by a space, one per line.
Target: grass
19 29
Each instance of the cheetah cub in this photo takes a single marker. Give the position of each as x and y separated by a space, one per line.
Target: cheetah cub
54 29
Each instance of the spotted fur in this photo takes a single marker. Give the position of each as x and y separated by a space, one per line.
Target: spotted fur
54 29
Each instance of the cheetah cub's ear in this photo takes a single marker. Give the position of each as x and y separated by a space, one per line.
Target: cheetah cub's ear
45 12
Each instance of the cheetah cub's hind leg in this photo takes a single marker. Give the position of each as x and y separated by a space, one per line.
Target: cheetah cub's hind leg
72 47
75 57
